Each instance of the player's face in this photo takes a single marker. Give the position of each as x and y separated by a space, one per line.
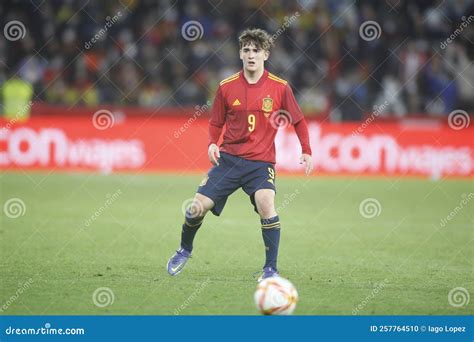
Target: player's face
252 57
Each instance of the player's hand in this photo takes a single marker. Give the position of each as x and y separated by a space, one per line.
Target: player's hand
214 154
308 160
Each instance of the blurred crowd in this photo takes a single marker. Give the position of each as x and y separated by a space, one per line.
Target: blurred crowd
163 53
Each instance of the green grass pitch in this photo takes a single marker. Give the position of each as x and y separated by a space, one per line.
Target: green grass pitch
82 232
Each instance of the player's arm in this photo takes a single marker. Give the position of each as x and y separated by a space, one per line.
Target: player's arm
301 129
216 123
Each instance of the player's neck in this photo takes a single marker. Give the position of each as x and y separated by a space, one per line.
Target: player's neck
252 77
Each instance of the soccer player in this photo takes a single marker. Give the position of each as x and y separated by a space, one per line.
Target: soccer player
251 103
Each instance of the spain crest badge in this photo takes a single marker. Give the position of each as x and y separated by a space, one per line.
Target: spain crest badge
267 105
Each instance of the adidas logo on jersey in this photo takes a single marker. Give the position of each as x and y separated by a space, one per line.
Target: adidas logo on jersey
236 102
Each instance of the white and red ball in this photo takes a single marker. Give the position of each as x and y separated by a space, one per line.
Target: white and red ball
276 296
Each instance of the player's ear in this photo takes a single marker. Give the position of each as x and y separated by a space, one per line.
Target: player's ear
240 54
266 55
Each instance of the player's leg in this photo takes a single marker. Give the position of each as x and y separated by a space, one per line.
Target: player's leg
259 184
265 203
221 181
193 219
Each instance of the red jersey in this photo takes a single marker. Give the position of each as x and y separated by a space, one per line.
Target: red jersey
248 110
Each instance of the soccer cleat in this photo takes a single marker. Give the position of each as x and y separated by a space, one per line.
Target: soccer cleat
177 261
268 272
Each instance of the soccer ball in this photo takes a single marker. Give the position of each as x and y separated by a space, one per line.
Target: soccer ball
276 296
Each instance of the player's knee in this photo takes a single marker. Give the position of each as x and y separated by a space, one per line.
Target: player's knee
266 207
267 212
265 202
195 210
199 207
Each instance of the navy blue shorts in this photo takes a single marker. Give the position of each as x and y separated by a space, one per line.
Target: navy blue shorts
233 173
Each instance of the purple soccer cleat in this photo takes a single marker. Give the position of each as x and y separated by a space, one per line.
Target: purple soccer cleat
268 272
177 261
